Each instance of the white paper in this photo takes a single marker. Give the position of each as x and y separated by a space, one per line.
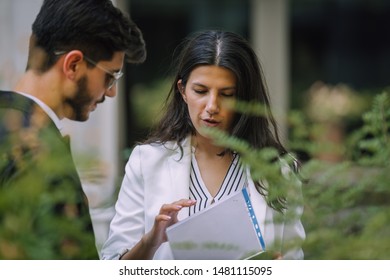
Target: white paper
222 231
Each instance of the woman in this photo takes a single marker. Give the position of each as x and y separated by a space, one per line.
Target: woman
179 170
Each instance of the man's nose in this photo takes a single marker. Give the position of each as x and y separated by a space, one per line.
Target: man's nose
111 92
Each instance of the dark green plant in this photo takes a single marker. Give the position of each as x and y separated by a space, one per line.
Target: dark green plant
371 142
347 210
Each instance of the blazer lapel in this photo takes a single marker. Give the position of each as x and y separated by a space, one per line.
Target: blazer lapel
179 169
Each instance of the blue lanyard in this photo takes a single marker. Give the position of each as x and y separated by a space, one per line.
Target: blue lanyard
253 217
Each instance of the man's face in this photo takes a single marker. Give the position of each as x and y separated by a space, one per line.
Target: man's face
81 102
93 87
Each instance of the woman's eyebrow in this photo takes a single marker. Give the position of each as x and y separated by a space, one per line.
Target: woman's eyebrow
224 88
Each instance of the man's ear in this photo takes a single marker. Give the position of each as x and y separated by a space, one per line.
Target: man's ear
72 63
181 88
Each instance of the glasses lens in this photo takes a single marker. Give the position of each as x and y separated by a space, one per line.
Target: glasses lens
110 81
113 78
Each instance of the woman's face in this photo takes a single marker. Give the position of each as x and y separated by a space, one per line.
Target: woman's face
206 92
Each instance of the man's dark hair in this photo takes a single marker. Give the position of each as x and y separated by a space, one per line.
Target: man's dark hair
95 27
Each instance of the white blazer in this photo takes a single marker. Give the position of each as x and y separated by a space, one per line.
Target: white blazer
156 175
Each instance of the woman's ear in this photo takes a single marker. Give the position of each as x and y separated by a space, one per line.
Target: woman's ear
181 88
72 63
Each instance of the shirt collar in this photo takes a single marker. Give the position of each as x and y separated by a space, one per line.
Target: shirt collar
47 110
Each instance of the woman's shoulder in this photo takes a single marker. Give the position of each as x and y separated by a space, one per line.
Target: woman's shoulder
166 145
290 161
155 146
162 148
153 155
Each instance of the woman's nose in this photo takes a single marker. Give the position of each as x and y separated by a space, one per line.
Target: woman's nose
212 106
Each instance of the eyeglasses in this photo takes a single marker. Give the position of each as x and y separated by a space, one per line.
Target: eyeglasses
113 76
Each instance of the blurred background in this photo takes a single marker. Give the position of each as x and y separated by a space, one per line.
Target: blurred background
326 58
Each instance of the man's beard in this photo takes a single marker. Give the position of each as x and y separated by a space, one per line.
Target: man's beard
81 102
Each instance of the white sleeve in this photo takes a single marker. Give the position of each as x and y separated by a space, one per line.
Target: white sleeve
128 225
293 237
293 230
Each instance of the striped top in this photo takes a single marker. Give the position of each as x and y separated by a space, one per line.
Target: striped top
234 181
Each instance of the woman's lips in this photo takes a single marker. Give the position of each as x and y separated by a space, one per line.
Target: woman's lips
211 122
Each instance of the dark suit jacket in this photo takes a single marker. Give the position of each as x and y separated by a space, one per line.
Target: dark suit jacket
43 209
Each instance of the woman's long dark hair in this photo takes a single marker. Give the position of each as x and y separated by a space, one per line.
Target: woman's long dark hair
231 51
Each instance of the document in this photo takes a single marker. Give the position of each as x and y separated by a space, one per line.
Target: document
226 230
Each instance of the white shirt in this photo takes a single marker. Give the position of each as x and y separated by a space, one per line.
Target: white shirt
45 108
234 181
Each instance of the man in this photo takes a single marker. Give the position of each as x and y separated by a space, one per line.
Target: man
76 53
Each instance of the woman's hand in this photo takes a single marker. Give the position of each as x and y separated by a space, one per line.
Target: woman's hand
166 217
152 240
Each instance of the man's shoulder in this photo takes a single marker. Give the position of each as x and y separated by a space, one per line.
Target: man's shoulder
14 101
